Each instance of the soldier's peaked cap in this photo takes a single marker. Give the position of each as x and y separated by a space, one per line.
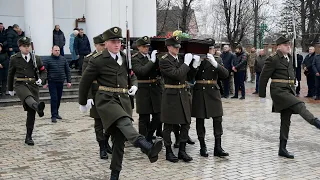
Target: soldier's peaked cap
282 40
114 33
144 41
98 39
24 41
173 41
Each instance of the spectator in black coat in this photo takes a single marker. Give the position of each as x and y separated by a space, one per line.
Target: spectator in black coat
58 71
82 47
3 37
59 39
316 69
298 72
227 59
258 66
14 33
239 68
308 71
4 64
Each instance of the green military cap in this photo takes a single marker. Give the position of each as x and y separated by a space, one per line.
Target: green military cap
144 41
98 39
282 40
173 41
112 33
24 41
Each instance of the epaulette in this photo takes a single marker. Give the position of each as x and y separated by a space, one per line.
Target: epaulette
273 54
13 55
89 55
97 54
134 55
164 56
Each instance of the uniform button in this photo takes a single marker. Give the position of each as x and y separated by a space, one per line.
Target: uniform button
203 71
179 82
203 79
180 92
204 88
118 85
212 87
118 95
127 86
149 84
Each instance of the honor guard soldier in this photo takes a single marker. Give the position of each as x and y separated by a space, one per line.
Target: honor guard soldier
101 136
281 69
109 68
29 74
206 101
176 103
148 97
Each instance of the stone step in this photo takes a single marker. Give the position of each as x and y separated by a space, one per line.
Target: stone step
12 101
66 92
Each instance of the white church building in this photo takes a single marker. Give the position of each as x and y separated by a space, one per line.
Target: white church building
40 16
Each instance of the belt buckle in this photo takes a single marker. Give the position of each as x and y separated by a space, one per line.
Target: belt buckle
123 91
29 79
208 81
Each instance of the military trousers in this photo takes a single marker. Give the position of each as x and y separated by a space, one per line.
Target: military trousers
311 84
147 127
285 115
252 74
122 129
217 127
168 128
98 128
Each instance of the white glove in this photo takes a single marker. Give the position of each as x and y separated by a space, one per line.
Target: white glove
11 93
196 61
39 82
83 108
187 58
263 100
90 103
212 60
296 84
153 56
132 91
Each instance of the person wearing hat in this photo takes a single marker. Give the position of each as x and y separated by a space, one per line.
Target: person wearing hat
101 137
148 97
109 68
281 69
27 81
176 103
239 68
206 101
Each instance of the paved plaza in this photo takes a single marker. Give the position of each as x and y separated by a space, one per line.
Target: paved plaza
68 149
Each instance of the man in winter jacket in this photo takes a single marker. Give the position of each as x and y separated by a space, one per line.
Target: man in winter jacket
12 38
82 47
59 39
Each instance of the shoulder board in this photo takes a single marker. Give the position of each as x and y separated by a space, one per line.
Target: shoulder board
89 55
97 54
134 55
13 55
164 56
273 54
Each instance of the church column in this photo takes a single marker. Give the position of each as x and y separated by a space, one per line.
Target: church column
38 16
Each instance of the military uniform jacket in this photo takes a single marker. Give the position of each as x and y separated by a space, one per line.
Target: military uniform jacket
110 105
148 97
176 104
94 86
206 100
20 68
282 94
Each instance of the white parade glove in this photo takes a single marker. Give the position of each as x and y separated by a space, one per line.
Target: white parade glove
90 103
153 56
212 60
263 100
196 63
83 108
39 82
187 58
132 91
296 84
11 93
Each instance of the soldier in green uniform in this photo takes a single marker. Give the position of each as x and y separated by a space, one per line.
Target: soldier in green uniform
206 101
112 100
148 97
176 103
29 74
101 137
280 68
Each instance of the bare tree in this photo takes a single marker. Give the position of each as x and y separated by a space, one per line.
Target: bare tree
163 5
257 6
186 14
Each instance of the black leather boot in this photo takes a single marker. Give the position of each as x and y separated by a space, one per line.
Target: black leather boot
103 152
39 107
190 141
317 123
203 148
218 151
114 175
28 139
152 150
177 136
170 156
107 145
283 150
182 153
